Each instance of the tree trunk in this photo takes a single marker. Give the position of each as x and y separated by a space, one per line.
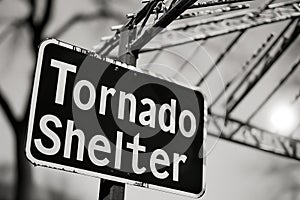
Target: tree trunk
24 186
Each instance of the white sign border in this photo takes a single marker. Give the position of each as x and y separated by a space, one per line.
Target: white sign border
37 162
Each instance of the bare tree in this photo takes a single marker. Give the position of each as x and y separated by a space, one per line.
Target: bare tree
37 25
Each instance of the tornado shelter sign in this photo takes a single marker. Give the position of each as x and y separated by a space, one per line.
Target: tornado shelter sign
98 117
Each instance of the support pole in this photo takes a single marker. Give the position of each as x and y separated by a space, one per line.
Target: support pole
128 52
111 190
125 53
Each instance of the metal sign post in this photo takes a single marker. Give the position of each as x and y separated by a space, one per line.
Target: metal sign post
129 56
111 190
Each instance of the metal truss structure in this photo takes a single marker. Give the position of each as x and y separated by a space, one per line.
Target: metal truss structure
222 17
246 134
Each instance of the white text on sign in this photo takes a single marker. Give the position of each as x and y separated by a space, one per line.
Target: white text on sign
146 118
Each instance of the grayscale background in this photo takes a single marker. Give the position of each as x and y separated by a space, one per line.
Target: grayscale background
234 171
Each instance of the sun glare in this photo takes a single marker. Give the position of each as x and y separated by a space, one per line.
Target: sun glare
283 119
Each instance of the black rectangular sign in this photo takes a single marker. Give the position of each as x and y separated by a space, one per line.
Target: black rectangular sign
103 118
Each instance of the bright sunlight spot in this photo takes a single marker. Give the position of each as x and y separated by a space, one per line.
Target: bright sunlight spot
283 119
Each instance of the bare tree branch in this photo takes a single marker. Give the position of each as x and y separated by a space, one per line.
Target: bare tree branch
28 102
24 182
8 112
47 14
36 31
6 32
11 27
32 4
107 13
